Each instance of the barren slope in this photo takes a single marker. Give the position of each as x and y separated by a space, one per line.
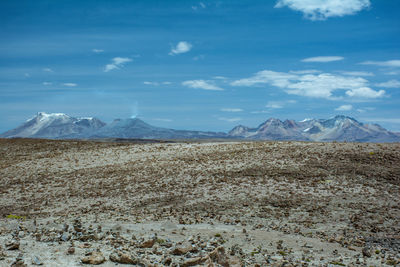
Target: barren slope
262 202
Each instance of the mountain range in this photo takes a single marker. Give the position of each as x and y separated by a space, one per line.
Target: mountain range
338 128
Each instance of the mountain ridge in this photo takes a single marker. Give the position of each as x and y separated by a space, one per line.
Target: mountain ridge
338 128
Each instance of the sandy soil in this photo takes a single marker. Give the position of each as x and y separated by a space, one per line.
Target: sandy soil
69 203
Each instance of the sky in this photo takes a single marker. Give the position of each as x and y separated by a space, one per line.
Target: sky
200 65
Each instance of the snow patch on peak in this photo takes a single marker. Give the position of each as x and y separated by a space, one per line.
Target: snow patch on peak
306 119
44 116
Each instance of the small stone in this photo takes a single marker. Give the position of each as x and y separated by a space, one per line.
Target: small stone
36 261
183 250
351 248
71 250
65 237
94 258
218 255
123 258
147 244
366 252
194 261
167 261
18 263
12 245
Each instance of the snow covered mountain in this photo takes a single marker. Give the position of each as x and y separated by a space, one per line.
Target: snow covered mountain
62 126
54 126
339 128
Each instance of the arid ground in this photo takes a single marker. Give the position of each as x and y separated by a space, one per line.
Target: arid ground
68 203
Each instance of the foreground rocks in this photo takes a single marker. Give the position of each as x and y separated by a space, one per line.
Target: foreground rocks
208 204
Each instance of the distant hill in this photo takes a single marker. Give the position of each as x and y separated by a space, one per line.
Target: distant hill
339 128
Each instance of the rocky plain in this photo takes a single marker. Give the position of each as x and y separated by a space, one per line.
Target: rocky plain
260 203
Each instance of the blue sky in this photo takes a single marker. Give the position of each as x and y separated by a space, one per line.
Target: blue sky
204 65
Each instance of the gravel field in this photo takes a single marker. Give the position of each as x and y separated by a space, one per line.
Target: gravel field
71 203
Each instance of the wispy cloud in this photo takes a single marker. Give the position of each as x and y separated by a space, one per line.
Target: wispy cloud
200 5
362 110
70 84
323 9
357 73
229 119
151 83
156 83
47 83
323 59
47 70
220 78
97 50
231 109
180 48
392 73
279 104
344 108
388 63
312 85
202 84
389 84
116 63
274 105
199 57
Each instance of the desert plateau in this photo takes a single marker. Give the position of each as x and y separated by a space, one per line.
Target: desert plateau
259 203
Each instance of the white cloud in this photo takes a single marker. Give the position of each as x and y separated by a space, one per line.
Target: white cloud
116 63
47 70
274 105
323 9
219 78
323 59
229 119
344 108
156 83
47 83
260 111
365 92
312 85
70 84
357 73
97 50
362 110
202 84
389 84
388 63
231 109
151 83
181 47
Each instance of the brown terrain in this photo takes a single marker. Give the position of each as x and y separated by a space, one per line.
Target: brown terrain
70 203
